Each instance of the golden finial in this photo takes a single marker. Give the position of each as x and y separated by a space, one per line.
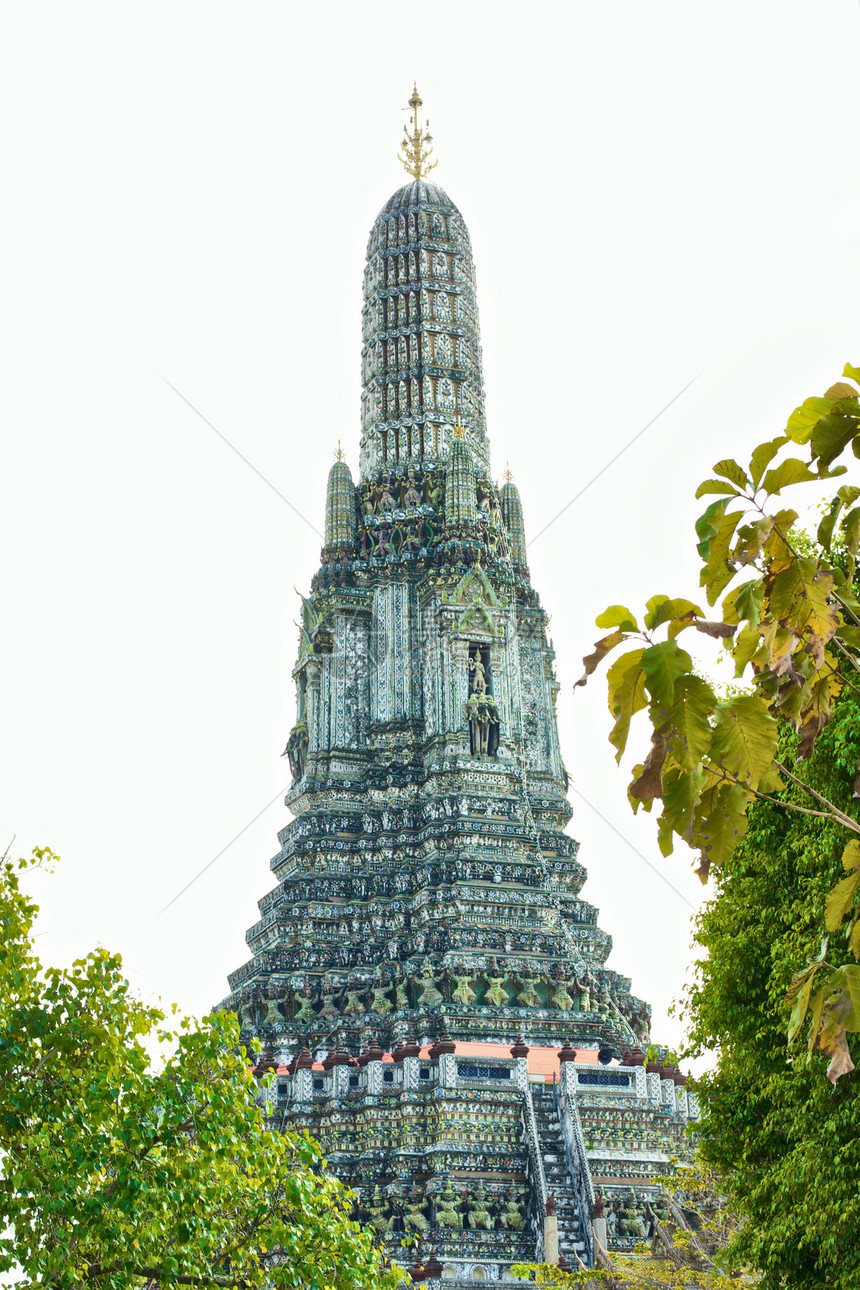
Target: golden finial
338 456
459 430
509 474
415 151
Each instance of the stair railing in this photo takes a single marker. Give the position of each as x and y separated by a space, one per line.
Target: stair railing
537 1177
577 1165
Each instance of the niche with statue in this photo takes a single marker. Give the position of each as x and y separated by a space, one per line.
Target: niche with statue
481 711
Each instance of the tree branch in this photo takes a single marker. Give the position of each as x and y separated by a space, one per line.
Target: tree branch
832 810
768 797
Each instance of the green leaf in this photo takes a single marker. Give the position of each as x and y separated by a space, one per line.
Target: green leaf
790 471
840 901
751 539
681 792
747 644
617 616
801 1003
626 692
800 599
852 372
716 528
716 486
744 739
831 435
662 664
825 528
803 420
687 723
817 1007
720 825
729 469
745 603
776 548
677 612
763 456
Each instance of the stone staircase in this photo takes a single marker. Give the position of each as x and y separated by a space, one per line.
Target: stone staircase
558 1180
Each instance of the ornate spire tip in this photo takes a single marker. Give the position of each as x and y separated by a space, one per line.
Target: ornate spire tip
509 474
415 152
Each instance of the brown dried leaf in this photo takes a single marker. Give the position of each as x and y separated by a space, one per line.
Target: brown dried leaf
720 631
649 783
817 712
601 649
840 1063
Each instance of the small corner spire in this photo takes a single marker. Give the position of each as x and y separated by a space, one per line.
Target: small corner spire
338 456
416 151
509 474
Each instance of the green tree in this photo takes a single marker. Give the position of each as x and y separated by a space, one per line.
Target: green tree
790 624
785 1140
138 1152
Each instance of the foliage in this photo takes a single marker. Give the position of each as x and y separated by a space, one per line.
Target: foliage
689 1251
785 1140
790 623
120 1173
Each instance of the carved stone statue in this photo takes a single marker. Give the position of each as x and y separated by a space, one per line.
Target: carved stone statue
379 1000
303 1003
479 675
248 1012
429 997
631 1222
274 1018
353 1005
386 500
297 749
412 497
376 1210
414 1211
528 995
560 997
448 1208
401 995
479 1214
328 1012
464 992
511 1217
496 992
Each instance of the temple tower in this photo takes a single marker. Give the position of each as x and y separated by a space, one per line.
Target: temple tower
425 929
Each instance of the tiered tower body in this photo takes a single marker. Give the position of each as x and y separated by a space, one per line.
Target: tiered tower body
427 893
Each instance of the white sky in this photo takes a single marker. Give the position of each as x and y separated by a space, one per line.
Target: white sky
655 192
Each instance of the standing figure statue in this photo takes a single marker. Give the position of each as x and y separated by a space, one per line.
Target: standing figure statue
479 675
303 1004
413 1211
496 992
448 1208
297 749
274 1018
430 996
561 998
528 995
413 497
463 993
479 1214
386 500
